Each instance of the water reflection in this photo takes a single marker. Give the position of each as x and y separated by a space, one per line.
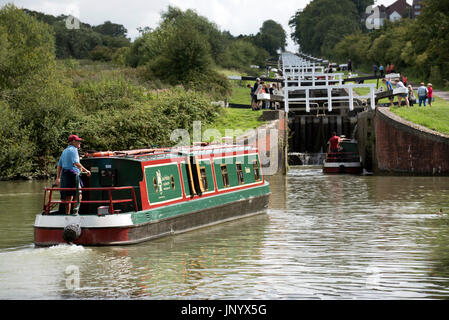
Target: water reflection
323 237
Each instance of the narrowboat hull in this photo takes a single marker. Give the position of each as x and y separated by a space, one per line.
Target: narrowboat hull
136 227
342 167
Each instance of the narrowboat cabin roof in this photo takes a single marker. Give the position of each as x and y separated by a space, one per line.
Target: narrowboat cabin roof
144 155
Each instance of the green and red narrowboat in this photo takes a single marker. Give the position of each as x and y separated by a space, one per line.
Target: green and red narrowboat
346 160
139 195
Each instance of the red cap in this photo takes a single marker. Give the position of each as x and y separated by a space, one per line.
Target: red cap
74 137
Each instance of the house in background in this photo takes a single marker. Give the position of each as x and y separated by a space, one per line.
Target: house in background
397 10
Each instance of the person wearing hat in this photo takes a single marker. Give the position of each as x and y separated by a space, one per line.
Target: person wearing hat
69 167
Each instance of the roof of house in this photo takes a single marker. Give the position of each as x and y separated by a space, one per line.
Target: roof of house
399 6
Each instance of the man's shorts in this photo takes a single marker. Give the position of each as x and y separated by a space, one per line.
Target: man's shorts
68 180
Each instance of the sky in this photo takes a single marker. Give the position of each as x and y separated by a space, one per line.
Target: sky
236 16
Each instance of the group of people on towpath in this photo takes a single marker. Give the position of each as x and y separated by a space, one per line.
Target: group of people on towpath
424 93
260 87
389 69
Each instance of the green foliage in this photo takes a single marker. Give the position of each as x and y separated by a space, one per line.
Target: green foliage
77 43
353 46
101 53
181 52
241 54
185 48
419 47
185 54
109 93
271 37
119 56
111 106
145 124
149 45
32 86
322 23
27 48
15 148
181 108
190 19
235 122
361 5
111 29
47 106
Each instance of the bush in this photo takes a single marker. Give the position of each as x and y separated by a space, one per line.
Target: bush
109 93
16 150
146 124
101 53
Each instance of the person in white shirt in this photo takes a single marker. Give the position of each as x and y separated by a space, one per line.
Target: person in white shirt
399 84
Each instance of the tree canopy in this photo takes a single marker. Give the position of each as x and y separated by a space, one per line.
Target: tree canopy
323 23
418 46
271 37
77 43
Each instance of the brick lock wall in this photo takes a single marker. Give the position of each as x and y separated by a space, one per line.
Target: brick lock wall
404 147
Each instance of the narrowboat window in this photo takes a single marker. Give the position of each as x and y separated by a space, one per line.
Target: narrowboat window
240 173
172 179
107 178
204 177
256 170
156 188
224 174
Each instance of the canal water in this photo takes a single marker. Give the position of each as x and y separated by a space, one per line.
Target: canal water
323 237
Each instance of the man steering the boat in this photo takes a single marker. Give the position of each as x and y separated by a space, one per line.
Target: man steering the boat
69 167
334 143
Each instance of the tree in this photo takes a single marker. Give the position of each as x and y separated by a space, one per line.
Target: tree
361 6
323 23
209 30
182 50
32 86
27 47
186 52
77 43
111 29
271 37
430 37
242 53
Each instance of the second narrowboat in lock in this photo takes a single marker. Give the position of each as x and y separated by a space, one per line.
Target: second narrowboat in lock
139 195
345 160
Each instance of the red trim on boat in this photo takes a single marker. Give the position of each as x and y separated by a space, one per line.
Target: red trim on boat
93 236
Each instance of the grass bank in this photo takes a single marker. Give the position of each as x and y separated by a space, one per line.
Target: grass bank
435 117
234 122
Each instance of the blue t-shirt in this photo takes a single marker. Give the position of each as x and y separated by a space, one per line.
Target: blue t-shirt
68 158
